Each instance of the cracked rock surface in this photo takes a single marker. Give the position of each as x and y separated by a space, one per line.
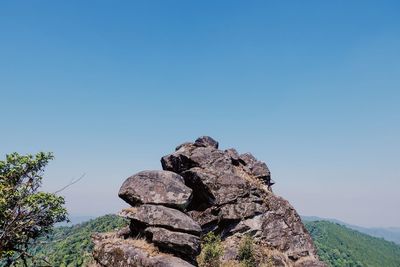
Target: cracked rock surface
201 189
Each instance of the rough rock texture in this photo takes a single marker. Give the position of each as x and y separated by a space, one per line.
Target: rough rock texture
111 250
186 245
202 189
283 229
206 141
156 187
157 215
232 196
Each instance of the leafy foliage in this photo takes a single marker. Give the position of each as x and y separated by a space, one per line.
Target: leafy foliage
71 246
246 251
25 212
211 251
340 246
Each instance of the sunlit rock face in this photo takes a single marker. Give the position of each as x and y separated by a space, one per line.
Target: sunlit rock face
156 187
201 189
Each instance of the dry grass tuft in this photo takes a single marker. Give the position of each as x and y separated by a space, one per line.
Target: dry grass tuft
143 244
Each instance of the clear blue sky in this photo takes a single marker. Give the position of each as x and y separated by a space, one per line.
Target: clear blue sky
310 87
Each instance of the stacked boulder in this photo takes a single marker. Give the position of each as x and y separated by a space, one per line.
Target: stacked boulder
158 199
201 189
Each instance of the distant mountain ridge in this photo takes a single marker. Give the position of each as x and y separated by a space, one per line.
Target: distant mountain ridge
389 234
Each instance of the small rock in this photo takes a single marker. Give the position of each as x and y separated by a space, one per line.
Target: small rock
124 232
253 166
183 145
234 155
206 141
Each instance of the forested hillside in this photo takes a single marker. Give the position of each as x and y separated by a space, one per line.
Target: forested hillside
72 246
337 245
340 246
388 233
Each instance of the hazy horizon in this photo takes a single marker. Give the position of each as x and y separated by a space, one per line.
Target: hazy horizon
311 88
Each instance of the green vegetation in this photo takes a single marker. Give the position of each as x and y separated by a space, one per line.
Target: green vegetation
72 246
211 251
25 212
246 252
337 246
340 246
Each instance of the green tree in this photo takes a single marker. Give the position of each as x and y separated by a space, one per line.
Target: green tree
25 212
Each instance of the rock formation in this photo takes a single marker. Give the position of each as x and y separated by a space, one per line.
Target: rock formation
201 189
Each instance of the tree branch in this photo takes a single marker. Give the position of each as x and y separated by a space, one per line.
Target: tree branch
70 183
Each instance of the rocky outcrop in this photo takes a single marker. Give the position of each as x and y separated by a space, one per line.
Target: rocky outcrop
203 189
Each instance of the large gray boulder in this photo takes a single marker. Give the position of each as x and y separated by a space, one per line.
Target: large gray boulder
160 216
213 188
182 244
156 187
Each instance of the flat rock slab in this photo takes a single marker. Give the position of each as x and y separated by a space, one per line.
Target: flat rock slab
183 244
160 216
111 251
156 187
